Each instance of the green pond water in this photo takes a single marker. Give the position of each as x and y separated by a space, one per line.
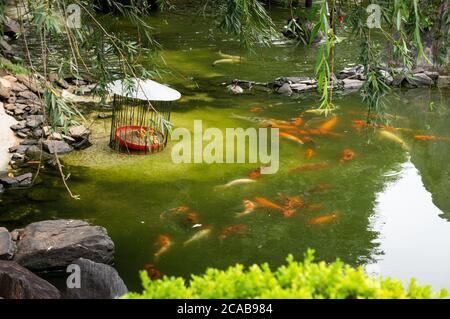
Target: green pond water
392 205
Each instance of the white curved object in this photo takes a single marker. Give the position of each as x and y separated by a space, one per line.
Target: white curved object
146 90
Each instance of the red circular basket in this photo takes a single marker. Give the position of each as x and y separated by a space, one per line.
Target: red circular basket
125 130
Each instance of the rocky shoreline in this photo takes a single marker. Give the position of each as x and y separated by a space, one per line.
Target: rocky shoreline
52 246
349 79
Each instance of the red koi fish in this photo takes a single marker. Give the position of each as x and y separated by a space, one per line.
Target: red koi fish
255 173
430 138
347 155
153 273
322 219
310 167
233 229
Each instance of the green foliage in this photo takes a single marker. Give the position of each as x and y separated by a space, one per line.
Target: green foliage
305 280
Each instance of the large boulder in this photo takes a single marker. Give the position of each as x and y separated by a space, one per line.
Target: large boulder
54 244
57 147
97 281
421 79
6 244
16 282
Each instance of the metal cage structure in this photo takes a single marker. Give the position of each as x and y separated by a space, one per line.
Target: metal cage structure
141 115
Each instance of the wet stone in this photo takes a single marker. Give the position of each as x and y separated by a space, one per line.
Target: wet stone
6 244
58 147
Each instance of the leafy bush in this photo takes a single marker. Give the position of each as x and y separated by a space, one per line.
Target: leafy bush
306 279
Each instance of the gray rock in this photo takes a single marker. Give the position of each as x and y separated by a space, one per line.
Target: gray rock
18 87
432 74
6 244
4 46
300 87
420 79
28 95
98 281
20 149
58 147
285 89
19 283
30 83
79 132
11 27
54 244
9 182
34 121
350 84
443 81
25 180
29 141
387 77
35 153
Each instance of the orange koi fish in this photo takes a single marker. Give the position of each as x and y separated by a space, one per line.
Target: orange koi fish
249 207
310 167
256 110
298 121
233 229
347 155
290 137
153 273
181 209
255 173
267 203
292 202
430 138
165 243
328 125
309 153
322 219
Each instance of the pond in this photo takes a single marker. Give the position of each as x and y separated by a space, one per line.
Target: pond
391 203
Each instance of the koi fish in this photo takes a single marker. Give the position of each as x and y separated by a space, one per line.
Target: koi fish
310 167
298 121
394 138
267 203
239 182
347 155
430 138
309 153
249 207
165 243
233 229
322 219
198 235
291 204
290 137
153 273
255 173
176 210
227 61
256 110
328 125
228 56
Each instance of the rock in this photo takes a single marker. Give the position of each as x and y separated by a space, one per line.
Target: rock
19 283
84 144
420 79
387 77
79 132
58 147
10 78
299 87
25 180
5 88
34 121
103 116
285 89
19 126
28 95
21 149
4 46
54 244
22 134
432 74
399 79
30 83
353 72
9 182
29 141
443 81
18 87
11 27
6 244
235 89
35 153
55 136
350 84
98 281
2 189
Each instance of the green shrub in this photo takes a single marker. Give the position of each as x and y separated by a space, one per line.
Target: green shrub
306 279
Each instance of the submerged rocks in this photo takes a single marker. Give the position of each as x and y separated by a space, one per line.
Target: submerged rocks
24 180
351 84
421 79
54 244
19 283
98 281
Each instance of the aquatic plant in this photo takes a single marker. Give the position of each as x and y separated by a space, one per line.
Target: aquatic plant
302 280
